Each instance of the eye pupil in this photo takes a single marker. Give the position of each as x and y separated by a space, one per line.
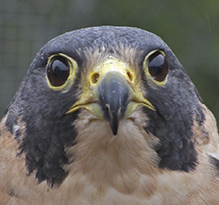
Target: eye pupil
157 66
58 71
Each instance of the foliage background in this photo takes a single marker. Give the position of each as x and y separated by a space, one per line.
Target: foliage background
190 28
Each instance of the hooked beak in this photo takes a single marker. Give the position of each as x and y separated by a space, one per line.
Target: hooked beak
113 96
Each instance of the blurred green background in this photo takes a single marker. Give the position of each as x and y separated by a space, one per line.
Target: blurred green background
190 28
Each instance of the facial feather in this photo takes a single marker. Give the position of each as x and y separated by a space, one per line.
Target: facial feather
164 155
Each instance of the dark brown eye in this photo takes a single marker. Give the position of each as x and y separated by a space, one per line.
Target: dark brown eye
157 66
58 70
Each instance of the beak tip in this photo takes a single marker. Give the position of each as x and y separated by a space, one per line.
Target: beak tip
114 129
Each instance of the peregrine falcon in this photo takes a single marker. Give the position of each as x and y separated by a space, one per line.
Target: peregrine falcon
108 115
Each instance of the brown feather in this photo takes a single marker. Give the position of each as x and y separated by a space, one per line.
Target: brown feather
119 170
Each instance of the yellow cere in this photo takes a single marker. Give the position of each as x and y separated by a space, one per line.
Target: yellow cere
89 97
113 64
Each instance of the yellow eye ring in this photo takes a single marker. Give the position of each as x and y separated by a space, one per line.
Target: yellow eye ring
156 67
61 71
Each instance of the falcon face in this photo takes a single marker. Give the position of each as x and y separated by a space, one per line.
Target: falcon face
106 102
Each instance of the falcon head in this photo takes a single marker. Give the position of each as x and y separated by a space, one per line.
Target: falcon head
103 94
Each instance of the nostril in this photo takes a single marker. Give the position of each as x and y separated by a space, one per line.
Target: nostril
94 78
130 76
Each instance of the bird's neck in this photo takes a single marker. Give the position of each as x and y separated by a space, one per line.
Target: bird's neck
105 158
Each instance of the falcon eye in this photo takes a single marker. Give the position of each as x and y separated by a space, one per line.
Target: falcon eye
61 72
58 71
157 66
